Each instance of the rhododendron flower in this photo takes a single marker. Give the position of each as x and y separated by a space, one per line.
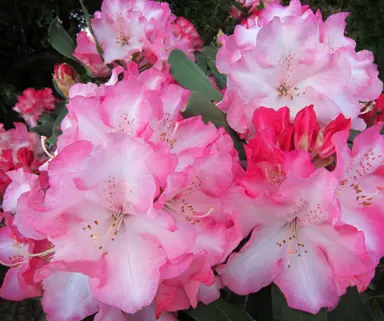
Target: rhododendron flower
361 185
373 111
23 256
305 133
126 28
289 57
32 103
183 28
86 53
296 240
19 149
157 193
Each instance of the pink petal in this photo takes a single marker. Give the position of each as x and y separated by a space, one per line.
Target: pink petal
67 296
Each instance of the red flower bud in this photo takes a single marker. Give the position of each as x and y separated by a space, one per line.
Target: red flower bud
306 129
65 77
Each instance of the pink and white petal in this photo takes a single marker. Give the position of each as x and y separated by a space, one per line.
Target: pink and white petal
67 296
209 294
21 182
244 208
344 247
126 178
258 263
109 313
193 133
127 109
135 262
10 248
175 242
15 288
148 314
87 120
307 282
176 267
212 238
332 32
370 222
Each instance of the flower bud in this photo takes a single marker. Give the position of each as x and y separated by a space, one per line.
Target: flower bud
65 77
373 111
325 147
306 129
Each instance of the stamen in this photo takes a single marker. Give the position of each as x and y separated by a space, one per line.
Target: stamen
42 140
11 265
44 253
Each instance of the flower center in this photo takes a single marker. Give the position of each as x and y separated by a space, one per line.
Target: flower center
291 242
284 91
179 204
122 39
101 235
168 132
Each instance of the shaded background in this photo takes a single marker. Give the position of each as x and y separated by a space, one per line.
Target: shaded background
27 60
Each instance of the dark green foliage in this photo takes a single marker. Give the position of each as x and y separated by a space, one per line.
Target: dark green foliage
207 15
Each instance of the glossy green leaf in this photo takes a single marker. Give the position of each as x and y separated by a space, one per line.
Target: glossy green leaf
219 310
190 76
60 39
200 105
352 135
282 312
351 308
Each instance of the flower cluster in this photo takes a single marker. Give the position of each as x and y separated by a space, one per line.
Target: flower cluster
32 103
19 149
288 56
133 30
139 212
132 199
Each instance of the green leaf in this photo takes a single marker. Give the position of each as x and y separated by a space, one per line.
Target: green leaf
61 111
60 39
352 135
199 105
351 308
219 310
43 129
190 76
282 312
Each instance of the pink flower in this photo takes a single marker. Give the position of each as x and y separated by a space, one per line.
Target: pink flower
156 202
183 28
23 256
19 149
32 103
361 185
125 29
86 53
294 242
274 131
317 66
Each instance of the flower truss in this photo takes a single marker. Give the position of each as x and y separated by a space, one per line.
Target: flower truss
137 212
